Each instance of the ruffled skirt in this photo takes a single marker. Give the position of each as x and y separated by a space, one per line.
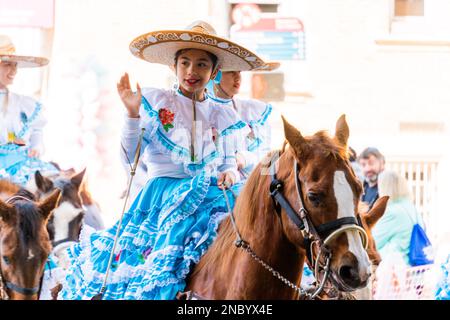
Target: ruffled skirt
19 168
170 225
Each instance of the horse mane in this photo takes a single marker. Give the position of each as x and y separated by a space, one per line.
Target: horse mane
329 146
30 220
85 194
26 194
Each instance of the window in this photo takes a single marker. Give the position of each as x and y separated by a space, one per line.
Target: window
409 8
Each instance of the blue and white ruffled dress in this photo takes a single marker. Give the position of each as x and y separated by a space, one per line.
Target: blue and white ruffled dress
255 114
174 219
24 120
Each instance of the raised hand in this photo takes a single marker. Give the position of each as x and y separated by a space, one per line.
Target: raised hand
132 101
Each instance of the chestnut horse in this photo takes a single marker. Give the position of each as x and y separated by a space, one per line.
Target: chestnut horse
301 204
24 241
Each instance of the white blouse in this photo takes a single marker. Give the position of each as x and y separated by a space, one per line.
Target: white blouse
255 113
167 117
23 118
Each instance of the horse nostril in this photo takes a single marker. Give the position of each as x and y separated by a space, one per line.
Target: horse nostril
345 272
351 277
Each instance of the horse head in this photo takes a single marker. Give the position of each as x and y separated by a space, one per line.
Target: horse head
24 243
327 189
65 225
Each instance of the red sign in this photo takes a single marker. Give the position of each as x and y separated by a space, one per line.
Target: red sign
27 13
246 14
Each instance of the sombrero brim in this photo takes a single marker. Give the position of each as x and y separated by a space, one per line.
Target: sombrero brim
161 46
25 61
268 66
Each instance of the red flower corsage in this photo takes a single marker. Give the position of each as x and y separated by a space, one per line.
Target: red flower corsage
166 116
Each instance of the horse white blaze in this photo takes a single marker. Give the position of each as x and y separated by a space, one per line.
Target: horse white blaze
62 216
346 208
30 254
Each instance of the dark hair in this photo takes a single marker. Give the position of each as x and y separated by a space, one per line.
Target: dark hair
212 56
352 154
371 151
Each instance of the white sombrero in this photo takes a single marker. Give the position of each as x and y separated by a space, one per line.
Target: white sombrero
8 54
161 46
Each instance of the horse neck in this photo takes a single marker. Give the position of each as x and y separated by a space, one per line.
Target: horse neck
261 227
270 244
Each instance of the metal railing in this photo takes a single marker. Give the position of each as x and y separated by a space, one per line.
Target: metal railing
422 177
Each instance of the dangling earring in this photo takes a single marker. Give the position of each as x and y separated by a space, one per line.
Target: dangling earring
176 85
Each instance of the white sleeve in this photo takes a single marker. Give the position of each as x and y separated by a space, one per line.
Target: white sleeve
232 133
36 128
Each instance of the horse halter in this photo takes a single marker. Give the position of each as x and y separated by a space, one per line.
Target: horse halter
9 285
323 234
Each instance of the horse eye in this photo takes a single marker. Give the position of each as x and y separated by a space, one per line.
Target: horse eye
6 259
314 198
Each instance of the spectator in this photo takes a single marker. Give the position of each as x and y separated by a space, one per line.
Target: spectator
392 233
372 164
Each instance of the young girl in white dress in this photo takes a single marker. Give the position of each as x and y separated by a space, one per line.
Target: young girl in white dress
189 148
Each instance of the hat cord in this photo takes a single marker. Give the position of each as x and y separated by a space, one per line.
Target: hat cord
193 132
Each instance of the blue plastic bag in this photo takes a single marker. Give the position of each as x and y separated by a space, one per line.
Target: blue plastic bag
420 247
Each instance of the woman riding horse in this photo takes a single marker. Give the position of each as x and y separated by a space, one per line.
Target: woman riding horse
189 145
21 120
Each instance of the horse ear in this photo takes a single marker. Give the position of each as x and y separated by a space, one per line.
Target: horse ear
44 184
295 139
56 165
5 211
48 204
376 212
342 131
78 178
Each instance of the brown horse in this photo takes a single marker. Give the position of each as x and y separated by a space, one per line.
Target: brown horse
24 241
317 182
